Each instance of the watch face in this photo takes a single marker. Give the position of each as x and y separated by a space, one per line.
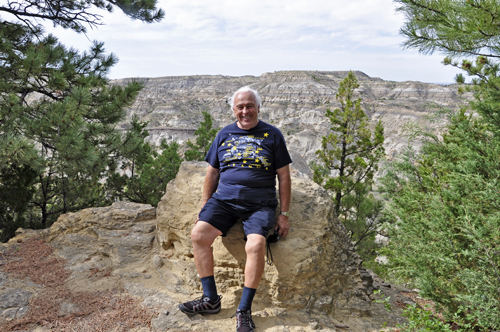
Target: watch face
284 213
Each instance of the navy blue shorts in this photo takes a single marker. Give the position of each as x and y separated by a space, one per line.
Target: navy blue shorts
257 217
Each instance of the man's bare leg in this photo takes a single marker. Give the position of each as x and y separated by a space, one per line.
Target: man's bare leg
254 267
202 237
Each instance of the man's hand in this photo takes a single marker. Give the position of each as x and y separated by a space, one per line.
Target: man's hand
285 192
283 225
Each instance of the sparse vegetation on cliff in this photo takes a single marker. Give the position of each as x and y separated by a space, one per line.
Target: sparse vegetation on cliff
352 152
205 135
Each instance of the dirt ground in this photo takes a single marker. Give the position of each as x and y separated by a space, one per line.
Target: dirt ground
96 300
56 307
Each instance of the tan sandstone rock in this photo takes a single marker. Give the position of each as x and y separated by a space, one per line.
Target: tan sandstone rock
315 269
115 237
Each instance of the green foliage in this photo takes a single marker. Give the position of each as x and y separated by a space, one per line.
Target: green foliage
16 191
486 88
351 152
67 117
58 112
77 15
461 29
419 319
386 301
145 172
445 214
205 135
455 27
422 320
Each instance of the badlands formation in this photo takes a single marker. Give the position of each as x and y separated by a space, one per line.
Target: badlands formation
293 101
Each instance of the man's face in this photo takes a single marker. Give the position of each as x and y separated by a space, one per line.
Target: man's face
246 110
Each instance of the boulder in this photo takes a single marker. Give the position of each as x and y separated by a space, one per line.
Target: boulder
118 236
315 268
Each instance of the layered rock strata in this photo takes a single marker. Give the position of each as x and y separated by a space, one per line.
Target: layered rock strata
294 101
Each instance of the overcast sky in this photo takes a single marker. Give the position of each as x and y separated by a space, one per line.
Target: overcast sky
242 37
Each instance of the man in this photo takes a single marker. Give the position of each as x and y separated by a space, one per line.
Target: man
244 160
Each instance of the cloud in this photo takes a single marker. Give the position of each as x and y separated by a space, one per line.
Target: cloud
243 21
251 37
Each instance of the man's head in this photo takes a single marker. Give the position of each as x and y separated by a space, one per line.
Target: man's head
246 107
258 100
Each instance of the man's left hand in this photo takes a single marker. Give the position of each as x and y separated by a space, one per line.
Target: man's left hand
283 225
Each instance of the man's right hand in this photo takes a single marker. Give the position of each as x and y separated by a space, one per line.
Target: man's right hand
283 224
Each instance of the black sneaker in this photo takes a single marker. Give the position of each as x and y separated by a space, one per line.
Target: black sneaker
202 305
244 322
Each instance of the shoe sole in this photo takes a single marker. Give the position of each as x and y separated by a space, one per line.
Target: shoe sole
190 312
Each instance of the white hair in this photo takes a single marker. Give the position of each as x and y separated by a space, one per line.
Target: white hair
258 100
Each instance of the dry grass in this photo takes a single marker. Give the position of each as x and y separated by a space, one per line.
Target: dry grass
94 311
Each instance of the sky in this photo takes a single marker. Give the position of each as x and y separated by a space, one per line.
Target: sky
242 37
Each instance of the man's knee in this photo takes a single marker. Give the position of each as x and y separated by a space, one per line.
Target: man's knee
256 244
198 236
203 233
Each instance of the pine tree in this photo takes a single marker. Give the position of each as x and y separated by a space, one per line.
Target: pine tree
467 32
58 112
352 152
205 135
78 15
145 171
457 28
16 191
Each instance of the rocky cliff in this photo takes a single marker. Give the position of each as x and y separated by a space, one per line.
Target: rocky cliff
316 282
294 101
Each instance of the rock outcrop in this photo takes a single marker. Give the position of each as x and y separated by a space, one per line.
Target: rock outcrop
121 236
315 268
316 282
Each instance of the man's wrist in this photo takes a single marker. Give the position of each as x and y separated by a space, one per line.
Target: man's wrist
284 213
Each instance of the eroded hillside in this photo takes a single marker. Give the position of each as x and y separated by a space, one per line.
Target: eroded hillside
294 101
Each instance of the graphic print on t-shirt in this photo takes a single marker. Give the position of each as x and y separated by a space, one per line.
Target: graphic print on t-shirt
244 151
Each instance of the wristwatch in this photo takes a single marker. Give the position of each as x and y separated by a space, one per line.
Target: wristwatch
284 213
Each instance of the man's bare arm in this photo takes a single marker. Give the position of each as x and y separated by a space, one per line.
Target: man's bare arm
285 193
210 185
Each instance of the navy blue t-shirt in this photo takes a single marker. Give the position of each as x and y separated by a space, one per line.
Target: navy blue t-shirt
247 161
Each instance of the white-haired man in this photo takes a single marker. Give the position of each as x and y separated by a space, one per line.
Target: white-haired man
244 160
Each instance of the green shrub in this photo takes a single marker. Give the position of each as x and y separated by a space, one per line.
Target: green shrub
444 211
